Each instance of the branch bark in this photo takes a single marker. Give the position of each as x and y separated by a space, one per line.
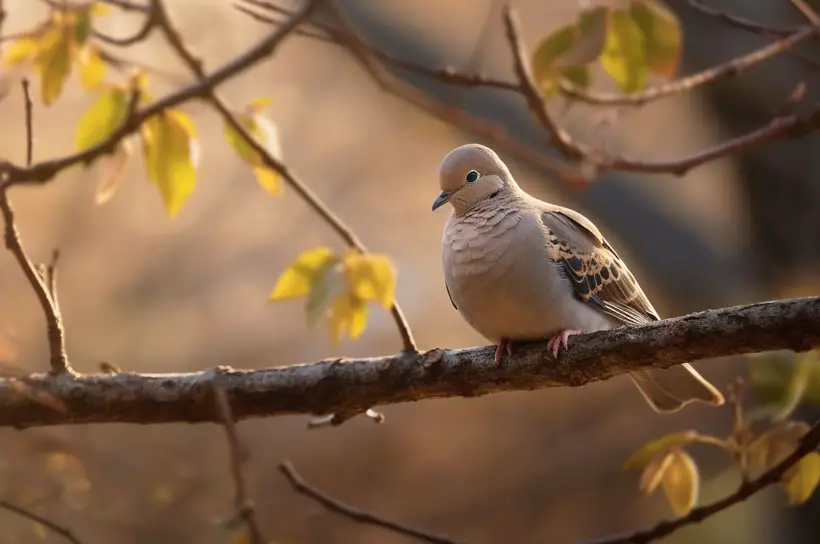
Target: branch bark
350 386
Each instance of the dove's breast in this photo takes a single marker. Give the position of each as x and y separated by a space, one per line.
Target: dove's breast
498 274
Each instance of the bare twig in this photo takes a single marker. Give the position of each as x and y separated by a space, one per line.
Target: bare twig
746 490
356 514
41 284
807 11
740 22
729 68
312 199
244 505
529 89
351 386
52 526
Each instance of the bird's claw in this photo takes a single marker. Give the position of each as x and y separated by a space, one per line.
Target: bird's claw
560 339
504 345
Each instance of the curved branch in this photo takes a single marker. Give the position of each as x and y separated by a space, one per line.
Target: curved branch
351 386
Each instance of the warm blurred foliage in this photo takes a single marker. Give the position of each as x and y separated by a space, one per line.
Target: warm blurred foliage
152 294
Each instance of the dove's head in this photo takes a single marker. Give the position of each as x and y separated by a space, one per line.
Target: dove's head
471 174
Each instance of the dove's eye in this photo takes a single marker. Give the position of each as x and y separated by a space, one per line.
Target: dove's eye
472 176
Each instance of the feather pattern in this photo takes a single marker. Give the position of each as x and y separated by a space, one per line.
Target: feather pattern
596 273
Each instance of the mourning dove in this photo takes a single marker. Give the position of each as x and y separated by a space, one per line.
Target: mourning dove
517 268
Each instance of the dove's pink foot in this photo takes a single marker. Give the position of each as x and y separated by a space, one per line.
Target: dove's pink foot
504 345
560 339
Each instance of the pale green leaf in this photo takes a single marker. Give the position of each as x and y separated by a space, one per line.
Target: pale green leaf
92 67
327 285
348 317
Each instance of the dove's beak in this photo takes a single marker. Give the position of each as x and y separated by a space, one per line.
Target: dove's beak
442 199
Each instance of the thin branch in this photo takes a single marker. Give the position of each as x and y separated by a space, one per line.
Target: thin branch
244 505
142 34
807 12
41 284
747 489
729 68
529 89
740 22
351 386
52 526
312 199
42 172
374 61
356 514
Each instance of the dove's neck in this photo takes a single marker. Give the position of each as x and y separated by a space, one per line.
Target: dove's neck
507 197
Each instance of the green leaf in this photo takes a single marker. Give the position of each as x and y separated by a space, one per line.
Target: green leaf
82 25
660 446
104 116
577 75
296 281
662 35
681 482
571 46
783 379
800 481
171 156
624 56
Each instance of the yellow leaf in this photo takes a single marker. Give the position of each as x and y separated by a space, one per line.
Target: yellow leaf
268 179
653 473
92 67
662 35
113 169
641 458
624 56
101 119
53 62
328 284
801 480
297 279
259 104
371 277
40 531
348 316
171 155
19 51
241 536
681 482
100 9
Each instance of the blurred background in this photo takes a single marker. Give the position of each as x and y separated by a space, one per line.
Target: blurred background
151 294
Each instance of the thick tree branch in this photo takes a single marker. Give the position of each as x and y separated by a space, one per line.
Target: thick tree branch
351 386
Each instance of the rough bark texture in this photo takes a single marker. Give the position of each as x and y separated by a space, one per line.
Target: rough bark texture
348 386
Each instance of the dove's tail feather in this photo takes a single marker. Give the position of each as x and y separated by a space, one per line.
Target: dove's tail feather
669 390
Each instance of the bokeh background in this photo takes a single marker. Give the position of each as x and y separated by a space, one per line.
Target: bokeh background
150 294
